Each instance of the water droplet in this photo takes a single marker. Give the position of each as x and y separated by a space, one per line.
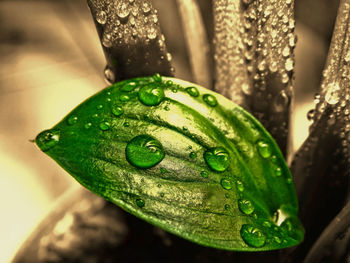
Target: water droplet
226 184
310 114
289 64
252 236
184 128
129 86
217 158
101 17
227 207
126 124
109 75
99 107
168 57
124 97
117 110
286 51
264 149
47 139
210 100
204 174
245 206
277 240
72 120
333 93
193 155
163 170
157 77
347 57
146 8
266 224
140 203
278 171
104 126
193 91
144 151
88 125
281 101
107 40
123 11
151 94
246 88
152 33
239 186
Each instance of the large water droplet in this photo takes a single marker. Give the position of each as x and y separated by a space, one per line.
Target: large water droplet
193 91
144 151
47 139
333 93
151 94
264 149
226 184
252 236
245 206
109 75
101 17
123 11
217 158
210 100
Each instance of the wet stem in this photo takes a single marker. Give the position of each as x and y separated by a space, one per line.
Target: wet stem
253 65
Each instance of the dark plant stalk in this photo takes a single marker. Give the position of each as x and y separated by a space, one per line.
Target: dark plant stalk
254 55
321 166
131 39
196 41
335 230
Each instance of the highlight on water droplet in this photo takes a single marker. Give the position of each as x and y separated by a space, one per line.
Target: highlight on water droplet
144 151
210 100
264 149
217 158
151 94
193 91
72 120
252 236
124 97
226 184
117 110
47 139
245 206
140 203
88 125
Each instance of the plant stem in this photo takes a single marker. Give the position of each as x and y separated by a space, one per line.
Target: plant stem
196 41
321 166
131 39
254 55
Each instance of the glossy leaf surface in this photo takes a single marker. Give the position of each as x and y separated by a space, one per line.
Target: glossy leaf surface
182 158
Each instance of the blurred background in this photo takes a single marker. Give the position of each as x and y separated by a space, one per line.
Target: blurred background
51 60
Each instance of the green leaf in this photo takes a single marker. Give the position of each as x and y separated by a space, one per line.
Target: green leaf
182 158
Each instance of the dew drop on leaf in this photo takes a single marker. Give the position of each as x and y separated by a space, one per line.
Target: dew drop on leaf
47 139
151 95
193 91
123 11
117 110
252 236
109 75
129 86
264 149
140 203
104 126
193 155
245 206
217 158
88 125
239 186
144 151
278 171
124 97
210 100
163 170
72 120
226 184
157 77
227 207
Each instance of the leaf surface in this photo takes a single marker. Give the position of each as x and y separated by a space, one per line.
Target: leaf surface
183 158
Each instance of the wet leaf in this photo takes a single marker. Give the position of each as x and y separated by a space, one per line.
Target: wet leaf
194 164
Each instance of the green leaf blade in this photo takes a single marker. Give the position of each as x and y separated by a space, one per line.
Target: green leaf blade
222 181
